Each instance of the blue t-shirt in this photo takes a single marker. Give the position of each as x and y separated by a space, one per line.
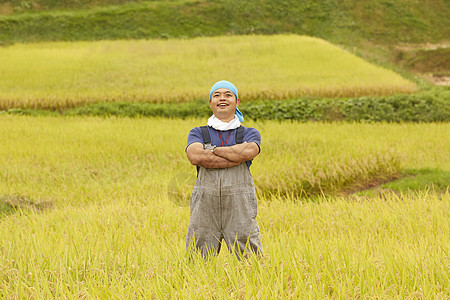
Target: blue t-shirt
228 137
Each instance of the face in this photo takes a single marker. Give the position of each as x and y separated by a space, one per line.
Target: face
223 104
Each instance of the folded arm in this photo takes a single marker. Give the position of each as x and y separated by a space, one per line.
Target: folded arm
206 158
238 153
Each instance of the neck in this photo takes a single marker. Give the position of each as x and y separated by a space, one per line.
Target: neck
225 119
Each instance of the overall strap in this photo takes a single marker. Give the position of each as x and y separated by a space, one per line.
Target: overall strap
240 135
206 136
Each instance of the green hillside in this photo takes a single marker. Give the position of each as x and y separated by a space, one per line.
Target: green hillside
346 22
376 30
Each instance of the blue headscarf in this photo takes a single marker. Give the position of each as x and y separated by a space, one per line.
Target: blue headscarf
223 84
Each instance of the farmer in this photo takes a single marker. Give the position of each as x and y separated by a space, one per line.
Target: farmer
223 202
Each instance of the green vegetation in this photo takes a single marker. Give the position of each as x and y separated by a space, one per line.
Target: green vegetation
430 106
436 61
5 208
427 106
64 75
346 22
18 203
20 6
421 179
412 180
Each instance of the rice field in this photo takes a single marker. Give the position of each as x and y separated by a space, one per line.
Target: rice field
60 75
332 248
76 160
96 218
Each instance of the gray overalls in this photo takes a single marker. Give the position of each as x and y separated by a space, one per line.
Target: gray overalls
223 206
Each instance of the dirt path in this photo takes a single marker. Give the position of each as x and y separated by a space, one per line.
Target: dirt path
430 61
440 80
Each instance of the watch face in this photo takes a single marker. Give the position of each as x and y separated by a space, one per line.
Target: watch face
208 147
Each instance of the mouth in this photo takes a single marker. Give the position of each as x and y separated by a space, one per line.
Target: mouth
222 105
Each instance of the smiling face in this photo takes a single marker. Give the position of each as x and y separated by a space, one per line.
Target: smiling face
223 104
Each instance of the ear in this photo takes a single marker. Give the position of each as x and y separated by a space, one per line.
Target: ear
237 102
210 104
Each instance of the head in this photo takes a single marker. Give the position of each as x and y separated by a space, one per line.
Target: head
224 100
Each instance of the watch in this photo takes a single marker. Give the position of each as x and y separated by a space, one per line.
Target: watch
209 147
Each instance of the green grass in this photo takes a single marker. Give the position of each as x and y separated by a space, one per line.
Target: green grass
5 209
346 22
17 203
435 61
20 6
425 179
421 179
64 75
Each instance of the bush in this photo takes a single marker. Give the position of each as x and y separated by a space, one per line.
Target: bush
428 106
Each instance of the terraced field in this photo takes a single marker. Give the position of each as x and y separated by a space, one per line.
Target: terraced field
62 75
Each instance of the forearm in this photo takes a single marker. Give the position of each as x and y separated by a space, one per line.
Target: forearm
211 161
238 153
207 159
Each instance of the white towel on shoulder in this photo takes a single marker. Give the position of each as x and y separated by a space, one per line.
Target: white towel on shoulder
222 126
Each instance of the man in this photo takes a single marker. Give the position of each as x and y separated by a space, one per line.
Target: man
223 202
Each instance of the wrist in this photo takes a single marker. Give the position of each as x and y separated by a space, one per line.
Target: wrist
209 147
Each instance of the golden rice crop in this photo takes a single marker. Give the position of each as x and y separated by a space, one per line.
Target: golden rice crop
332 248
114 231
83 159
61 75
